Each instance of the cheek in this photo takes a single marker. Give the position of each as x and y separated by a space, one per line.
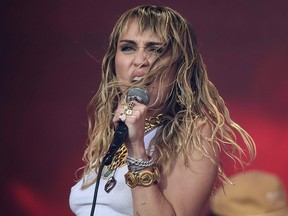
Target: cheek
163 90
168 83
121 69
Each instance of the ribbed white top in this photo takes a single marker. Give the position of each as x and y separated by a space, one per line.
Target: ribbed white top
118 202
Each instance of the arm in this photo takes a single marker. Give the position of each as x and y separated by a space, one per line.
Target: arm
189 188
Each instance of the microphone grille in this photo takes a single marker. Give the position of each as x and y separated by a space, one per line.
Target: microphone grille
138 94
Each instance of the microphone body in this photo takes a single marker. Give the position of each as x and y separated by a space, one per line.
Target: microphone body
119 138
121 132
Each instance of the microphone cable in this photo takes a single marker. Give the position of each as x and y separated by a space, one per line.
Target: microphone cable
119 138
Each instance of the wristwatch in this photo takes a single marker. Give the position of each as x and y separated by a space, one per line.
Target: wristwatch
142 178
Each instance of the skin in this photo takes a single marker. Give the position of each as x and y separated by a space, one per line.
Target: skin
185 190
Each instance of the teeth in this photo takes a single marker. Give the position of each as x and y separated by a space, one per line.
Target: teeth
136 78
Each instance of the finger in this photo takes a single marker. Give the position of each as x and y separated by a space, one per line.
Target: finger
122 117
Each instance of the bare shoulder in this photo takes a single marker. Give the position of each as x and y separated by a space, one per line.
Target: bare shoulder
188 186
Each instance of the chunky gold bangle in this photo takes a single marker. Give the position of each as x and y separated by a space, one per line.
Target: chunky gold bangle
143 178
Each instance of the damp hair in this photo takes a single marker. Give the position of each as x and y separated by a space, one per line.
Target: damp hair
191 104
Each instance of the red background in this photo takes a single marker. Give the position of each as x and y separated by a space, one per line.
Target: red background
50 67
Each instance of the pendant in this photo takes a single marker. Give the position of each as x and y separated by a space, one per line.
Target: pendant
110 184
107 173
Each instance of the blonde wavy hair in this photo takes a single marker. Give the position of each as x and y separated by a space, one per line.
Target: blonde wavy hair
192 102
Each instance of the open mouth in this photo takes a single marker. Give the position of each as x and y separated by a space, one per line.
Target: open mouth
138 78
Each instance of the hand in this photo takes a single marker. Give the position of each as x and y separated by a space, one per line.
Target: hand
135 121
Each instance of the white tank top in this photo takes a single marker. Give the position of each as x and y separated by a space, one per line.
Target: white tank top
118 202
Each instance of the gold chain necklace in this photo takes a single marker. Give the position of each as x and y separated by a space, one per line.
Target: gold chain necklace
152 122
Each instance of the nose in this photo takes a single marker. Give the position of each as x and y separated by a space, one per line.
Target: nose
141 58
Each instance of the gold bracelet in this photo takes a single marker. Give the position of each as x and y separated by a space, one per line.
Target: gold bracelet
142 178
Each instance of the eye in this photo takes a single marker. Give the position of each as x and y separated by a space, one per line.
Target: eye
127 48
155 49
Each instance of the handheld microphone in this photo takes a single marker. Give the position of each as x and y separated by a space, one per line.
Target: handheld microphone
135 93
140 95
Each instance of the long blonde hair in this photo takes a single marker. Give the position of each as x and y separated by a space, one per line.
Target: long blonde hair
193 101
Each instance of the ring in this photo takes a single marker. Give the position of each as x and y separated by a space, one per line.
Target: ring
131 104
128 111
122 117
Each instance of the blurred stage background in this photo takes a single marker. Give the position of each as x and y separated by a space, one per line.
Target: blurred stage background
50 67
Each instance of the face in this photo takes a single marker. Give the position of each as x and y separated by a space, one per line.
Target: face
135 54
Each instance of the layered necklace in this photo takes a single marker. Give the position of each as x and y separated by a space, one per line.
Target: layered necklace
119 158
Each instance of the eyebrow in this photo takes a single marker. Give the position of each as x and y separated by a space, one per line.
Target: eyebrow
149 43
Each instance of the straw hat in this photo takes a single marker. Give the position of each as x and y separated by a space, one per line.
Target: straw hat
253 193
